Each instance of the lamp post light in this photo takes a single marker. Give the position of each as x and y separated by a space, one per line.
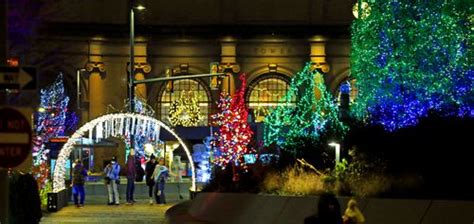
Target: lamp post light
337 147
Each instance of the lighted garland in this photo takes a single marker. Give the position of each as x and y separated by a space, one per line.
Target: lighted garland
235 133
139 141
300 114
185 110
413 57
114 125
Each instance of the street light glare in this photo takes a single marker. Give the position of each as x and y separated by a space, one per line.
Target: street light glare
333 144
140 7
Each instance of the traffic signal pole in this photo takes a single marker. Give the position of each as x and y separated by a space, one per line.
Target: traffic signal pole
164 79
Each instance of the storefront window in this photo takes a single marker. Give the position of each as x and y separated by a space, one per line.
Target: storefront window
265 94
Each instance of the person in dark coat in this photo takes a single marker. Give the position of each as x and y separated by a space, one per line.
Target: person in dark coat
160 174
131 175
25 201
78 179
150 182
329 211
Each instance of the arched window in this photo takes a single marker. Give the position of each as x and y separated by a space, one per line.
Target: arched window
347 86
191 88
265 93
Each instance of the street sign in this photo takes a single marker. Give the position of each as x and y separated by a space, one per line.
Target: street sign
15 138
17 78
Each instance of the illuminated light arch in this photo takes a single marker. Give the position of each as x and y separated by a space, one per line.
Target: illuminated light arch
122 123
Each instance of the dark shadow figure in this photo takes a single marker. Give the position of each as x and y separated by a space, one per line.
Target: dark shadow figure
329 211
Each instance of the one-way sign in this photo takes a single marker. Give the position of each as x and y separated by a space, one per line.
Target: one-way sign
17 78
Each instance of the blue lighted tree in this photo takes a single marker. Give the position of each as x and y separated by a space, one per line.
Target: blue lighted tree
52 119
411 58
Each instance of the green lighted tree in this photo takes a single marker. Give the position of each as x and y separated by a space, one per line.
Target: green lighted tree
301 114
412 57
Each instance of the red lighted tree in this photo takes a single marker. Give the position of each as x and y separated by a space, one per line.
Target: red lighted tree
235 134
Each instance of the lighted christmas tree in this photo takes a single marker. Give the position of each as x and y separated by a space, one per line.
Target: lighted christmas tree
51 120
302 113
411 58
185 111
235 133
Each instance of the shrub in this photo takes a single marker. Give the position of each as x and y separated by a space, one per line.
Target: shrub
294 180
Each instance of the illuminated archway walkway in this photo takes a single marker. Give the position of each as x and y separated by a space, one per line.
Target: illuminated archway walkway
114 125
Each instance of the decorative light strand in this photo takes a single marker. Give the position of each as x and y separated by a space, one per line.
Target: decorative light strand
60 169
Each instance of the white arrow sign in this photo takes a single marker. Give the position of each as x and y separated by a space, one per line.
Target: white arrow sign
15 78
24 78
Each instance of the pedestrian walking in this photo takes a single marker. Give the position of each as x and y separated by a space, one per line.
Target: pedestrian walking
160 174
353 215
131 175
150 182
112 173
78 180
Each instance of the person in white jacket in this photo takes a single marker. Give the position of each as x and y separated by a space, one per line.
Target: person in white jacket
112 174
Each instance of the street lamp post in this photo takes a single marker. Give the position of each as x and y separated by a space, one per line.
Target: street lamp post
131 70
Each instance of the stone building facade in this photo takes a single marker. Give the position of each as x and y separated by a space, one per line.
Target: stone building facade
268 40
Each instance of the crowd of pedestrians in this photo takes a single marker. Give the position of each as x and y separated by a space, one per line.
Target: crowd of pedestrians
155 173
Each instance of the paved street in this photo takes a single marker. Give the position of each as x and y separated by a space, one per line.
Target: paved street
141 212
96 209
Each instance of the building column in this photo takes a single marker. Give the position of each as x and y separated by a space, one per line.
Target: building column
318 59
318 51
96 69
229 63
142 68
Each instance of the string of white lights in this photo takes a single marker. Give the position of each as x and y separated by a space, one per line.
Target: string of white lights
105 124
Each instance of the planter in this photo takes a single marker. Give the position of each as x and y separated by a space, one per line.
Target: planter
58 200
193 194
